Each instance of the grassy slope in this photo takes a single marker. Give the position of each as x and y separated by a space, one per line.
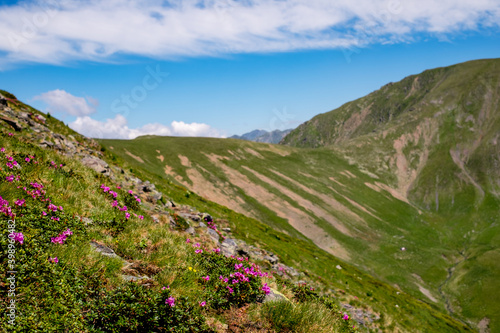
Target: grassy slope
449 228
376 247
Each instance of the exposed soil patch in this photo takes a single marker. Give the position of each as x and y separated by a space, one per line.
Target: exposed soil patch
184 161
328 200
297 218
137 158
254 153
161 158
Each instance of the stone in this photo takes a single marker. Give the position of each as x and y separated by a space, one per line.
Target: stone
96 164
12 123
202 225
229 247
148 187
104 250
275 296
226 229
191 231
3 101
271 259
46 144
213 234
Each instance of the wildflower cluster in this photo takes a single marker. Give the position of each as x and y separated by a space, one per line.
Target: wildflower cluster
124 208
61 238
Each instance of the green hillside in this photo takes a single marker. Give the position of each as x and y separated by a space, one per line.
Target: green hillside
402 183
85 264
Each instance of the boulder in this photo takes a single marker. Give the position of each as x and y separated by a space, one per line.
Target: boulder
3 101
104 250
229 247
275 296
96 164
213 234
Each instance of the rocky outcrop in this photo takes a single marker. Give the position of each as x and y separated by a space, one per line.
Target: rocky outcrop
96 164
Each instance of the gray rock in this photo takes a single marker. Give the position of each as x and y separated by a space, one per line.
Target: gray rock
148 187
229 247
104 250
202 225
134 278
46 143
213 234
96 164
226 229
271 259
274 296
191 231
3 101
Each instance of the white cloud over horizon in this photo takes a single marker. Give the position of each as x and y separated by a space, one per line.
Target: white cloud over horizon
117 128
64 102
58 31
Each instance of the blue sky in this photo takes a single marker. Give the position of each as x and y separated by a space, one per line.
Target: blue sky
217 68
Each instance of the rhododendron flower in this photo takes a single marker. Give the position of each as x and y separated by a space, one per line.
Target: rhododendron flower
203 303
124 209
131 192
141 217
114 204
10 179
170 301
54 260
44 213
127 216
230 289
345 317
118 187
217 250
2 150
266 289
27 159
18 237
198 251
10 134
206 278
188 240
20 202
67 232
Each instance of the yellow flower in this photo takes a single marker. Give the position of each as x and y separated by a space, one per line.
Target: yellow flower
194 270
190 268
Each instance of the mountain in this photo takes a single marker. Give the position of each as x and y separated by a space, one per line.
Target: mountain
403 184
263 136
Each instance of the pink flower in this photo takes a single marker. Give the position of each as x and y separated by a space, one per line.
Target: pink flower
44 213
118 187
230 289
206 278
130 191
10 179
216 250
127 216
20 202
266 289
27 159
54 260
10 134
138 200
170 301
67 232
114 204
2 150
345 317
163 288
188 240
203 303
18 237
124 209
198 251
141 217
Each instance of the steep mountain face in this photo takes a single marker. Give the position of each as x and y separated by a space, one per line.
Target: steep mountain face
404 183
435 134
263 136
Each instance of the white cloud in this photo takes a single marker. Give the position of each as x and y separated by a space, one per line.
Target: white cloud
117 128
62 101
57 31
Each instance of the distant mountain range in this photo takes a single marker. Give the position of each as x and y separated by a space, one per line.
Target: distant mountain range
263 136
